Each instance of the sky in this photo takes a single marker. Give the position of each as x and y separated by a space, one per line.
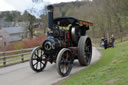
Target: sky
34 7
21 5
4 6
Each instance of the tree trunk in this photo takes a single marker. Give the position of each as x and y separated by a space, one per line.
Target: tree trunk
30 30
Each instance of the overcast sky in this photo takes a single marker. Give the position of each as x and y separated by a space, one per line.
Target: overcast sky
21 5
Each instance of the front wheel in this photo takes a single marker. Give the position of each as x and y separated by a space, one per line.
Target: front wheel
64 62
38 60
84 50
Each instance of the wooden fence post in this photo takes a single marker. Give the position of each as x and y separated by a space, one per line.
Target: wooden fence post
4 59
22 56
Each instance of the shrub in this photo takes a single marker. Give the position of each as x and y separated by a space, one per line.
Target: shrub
10 47
29 43
19 45
34 42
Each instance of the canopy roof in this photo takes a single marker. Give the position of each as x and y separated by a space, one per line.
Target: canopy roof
65 21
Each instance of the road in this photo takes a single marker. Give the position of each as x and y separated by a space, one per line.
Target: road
21 74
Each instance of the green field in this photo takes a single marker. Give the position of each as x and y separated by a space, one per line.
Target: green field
112 69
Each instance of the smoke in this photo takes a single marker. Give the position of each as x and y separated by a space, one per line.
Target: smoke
34 7
38 8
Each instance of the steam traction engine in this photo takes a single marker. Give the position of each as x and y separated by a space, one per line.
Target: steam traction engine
66 41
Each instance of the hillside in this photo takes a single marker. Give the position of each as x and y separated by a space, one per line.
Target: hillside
109 16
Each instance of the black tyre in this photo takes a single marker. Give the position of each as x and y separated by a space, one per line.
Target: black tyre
38 60
84 50
64 62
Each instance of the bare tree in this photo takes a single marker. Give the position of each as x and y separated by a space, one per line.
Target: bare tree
30 19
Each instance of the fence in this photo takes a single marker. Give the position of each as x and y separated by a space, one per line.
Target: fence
16 56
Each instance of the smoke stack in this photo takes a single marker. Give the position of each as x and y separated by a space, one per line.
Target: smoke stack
50 16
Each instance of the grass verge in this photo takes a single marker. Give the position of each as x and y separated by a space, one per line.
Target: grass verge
112 69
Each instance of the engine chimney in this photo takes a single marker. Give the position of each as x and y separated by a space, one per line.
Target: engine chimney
50 16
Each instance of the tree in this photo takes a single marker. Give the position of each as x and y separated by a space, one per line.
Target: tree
30 19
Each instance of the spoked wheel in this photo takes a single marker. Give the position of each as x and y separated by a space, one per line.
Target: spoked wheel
84 50
64 62
38 60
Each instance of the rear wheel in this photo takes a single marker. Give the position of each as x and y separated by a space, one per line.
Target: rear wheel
38 60
84 50
64 62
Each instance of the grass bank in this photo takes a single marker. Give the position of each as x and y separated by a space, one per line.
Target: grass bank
112 69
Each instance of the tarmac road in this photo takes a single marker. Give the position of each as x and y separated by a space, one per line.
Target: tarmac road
22 74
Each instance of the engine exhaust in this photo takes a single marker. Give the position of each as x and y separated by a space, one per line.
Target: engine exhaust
50 9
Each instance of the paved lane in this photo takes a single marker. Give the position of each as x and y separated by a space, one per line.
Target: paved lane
21 74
